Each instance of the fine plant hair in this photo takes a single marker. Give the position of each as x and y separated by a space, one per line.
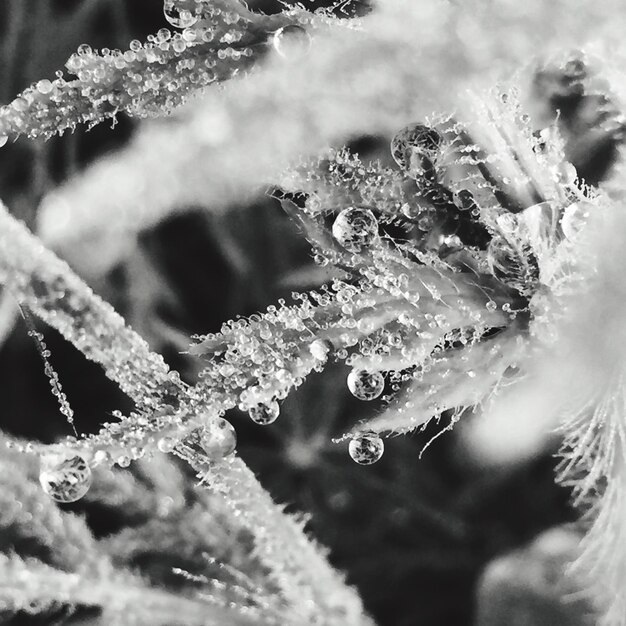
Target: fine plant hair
468 273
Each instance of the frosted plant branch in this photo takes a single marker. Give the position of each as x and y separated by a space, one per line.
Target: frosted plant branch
315 592
29 585
216 41
51 290
47 286
234 142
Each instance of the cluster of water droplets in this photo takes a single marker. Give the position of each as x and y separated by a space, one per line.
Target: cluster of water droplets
456 237
66 475
208 44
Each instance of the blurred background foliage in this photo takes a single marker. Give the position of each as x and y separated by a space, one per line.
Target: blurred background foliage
412 534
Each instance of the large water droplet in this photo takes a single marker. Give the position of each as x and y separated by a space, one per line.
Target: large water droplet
63 478
365 385
290 37
218 439
415 145
179 18
355 228
366 448
515 265
265 413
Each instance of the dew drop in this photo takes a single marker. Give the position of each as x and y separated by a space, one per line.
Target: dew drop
516 266
365 385
320 348
415 139
426 222
166 444
265 413
355 228
44 86
218 439
290 37
65 479
102 457
123 460
179 18
566 173
3 140
366 448
163 35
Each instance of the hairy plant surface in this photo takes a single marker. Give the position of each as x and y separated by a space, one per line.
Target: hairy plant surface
467 245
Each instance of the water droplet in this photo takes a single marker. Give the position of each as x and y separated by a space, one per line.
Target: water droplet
102 457
515 265
355 228
123 460
464 200
320 349
426 222
366 448
63 478
365 385
179 18
265 413
566 173
218 439
84 49
163 34
290 37
3 140
166 444
44 86
415 139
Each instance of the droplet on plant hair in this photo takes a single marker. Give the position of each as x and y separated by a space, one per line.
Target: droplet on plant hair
218 439
290 37
366 448
355 228
166 444
320 348
63 478
566 173
515 266
265 413
365 385
44 86
179 18
413 141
